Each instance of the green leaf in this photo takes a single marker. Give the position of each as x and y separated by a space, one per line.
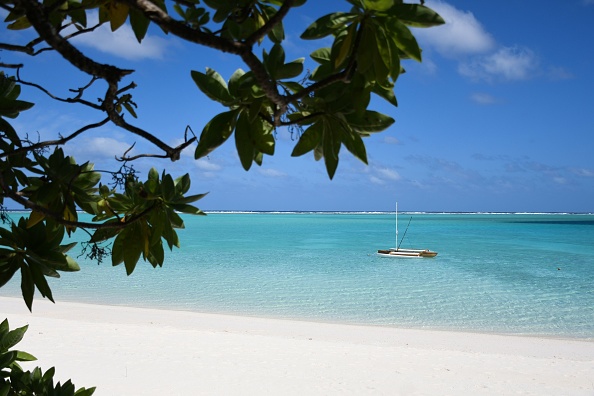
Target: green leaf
9 132
4 328
331 147
190 198
34 218
185 208
78 15
367 49
11 108
386 93
213 85
275 59
170 236
133 247
27 286
11 267
290 70
310 139
321 55
353 142
261 135
378 5
404 39
168 187
157 254
370 121
182 184
216 132
327 25
117 250
118 13
383 57
139 24
20 24
11 338
24 357
174 219
103 234
345 45
277 34
417 15
292 86
7 359
66 248
41 283
243 141
153 174
71 265
234 81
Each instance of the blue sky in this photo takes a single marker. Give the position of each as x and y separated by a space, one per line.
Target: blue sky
498 117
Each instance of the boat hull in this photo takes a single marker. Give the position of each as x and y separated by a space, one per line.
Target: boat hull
406 253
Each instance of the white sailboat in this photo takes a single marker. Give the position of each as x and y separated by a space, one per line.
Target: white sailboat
404 253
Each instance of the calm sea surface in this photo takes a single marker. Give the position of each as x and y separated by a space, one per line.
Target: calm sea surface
504 273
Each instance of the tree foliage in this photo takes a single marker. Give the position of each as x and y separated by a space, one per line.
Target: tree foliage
134 217
15 381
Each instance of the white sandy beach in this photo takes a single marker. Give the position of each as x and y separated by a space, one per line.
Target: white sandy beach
132 351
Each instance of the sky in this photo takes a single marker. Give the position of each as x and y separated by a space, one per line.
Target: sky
499 116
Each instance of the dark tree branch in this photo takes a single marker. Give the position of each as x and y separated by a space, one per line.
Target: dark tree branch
11 66
37 16
57 142
181 30
82 31
27 49
76 99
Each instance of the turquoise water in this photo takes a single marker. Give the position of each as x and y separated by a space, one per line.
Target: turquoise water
504 273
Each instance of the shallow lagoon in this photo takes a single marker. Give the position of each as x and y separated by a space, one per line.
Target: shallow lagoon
503 273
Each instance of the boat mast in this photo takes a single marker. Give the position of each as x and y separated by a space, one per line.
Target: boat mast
396 225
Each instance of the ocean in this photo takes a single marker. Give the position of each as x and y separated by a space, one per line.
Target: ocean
521 273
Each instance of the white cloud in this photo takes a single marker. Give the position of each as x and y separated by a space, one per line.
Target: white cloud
271 172
389 174
483 98
559 73
98 147
583 172
391 140
376 180
480 58
207 165
382 175
122 42
507 64
461 34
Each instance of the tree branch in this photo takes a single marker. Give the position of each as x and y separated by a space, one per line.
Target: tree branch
58 142
68 223
37 16
76 99
181 30
27 49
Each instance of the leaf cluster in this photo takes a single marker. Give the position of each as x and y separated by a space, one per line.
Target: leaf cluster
369 43
15 381
137 218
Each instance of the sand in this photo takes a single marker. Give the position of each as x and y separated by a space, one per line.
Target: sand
134 351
